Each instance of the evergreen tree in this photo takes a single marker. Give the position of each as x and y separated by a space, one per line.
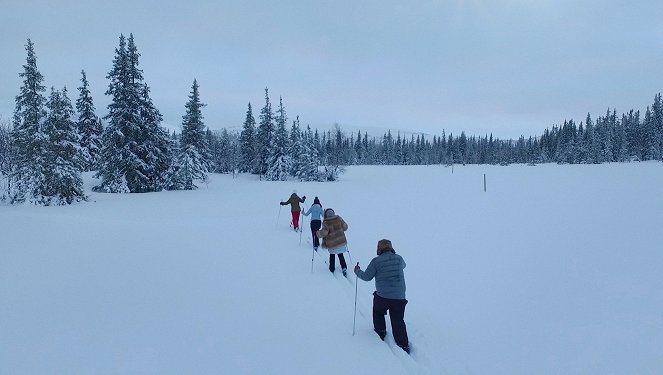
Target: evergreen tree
248 144
7 157
117 154
193 127
298 152
462 148
136 149
359 151
389 149
174 176
27 135
310 161
605 132
591 141
156 146
89 128
400 150
193 158
657 127
227 153
62 183
632 128
213 143
649 137
279 162
451 150
264 135
334 166
620 147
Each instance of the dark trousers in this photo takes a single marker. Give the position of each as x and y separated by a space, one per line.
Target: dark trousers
396 308
315 226
332 262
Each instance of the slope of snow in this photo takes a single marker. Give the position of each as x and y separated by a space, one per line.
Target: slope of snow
553 270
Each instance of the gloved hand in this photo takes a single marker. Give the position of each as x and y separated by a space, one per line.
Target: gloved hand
282 203
357 268
304 198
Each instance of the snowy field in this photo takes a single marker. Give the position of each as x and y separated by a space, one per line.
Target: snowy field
553 270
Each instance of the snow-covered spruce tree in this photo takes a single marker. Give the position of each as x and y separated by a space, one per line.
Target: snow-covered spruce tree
400 151
89 128
248 143
611 123
369 147
409 151
657 126
193 158
264 136
387 149
193 127
608 138
591 141
359 152
227 158
7 157
156 146
296 151
310 161
650 136
135 153
214 145
118 158
631 123
620 149
334 167
27 137
173 176
62 183
279 162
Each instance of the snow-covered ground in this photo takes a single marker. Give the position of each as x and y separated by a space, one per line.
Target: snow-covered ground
553 270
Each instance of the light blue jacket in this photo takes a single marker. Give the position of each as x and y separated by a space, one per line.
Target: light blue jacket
315 211
387 268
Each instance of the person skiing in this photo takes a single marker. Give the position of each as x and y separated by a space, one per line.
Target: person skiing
316 223
333 238
294 202
387 268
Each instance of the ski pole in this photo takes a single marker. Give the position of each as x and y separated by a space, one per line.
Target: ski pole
354 320
300 228
279 216
312 257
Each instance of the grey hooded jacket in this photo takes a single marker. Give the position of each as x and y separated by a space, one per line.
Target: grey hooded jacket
387 268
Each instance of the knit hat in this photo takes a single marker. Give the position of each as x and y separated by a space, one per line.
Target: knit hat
385 245
329 212
316 201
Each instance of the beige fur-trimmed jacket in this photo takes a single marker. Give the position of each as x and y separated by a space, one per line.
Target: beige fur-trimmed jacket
332 232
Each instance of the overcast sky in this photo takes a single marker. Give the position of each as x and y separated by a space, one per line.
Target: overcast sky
509 67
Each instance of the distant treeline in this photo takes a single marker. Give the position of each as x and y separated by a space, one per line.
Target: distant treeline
607 139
